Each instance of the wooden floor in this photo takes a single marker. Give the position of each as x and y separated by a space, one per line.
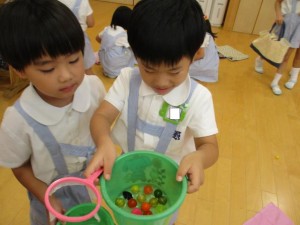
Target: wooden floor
259 150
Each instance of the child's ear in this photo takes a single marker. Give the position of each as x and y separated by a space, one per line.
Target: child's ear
20 74
199 54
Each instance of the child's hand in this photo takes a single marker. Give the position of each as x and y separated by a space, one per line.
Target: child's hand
279 19
56 204
192 166
105 156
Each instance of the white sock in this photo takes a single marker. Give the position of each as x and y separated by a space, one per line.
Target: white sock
293 78
258 61
259 65
276 79
294 74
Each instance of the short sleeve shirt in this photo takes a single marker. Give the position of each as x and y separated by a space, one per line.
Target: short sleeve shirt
286 6
85 10
69 125
199 120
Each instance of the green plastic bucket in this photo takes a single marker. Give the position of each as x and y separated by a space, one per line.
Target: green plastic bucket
83 209
144 168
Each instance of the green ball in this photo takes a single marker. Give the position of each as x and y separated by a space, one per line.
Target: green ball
135 189
162 200
141 198
158 193
153 202
160 208
120 202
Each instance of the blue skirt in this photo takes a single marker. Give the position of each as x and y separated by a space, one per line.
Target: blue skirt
292 29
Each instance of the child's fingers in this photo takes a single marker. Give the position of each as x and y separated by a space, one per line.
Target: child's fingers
52 219
194 177
91 168
107 172
194 183
181 172
108 165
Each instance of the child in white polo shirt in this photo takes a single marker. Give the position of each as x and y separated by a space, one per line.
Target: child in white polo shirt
206 69
45 135
115 53
84 13
157 105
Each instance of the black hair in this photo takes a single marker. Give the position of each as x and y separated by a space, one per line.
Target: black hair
209 30
31 29
163 31
121 17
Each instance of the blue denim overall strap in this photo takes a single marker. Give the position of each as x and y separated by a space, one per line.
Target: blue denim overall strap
57 150
165 134
47 137
70 195
133 96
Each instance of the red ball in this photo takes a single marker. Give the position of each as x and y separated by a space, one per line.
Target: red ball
131 203
136 211
148 189
145 206
147 213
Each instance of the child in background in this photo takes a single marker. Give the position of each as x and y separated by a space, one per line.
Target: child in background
206 67
157 105
84 13
287 11
45 135
115 52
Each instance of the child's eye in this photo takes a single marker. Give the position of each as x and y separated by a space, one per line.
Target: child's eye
149 70
74 61
175 72
47 71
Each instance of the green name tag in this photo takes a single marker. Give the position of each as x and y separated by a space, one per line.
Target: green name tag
163 112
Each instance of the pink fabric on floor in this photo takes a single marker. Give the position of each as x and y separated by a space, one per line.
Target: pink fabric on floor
270 215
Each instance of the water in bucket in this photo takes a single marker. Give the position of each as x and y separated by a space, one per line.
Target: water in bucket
144 168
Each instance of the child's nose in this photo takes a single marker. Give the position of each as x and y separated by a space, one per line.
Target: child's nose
162 80
65 74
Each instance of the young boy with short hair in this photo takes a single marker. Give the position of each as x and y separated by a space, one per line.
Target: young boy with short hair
157 106
45 135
